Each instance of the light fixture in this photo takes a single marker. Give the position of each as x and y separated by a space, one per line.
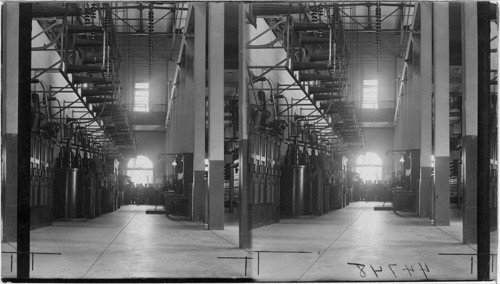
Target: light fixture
174 163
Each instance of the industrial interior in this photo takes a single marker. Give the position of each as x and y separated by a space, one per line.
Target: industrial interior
280 141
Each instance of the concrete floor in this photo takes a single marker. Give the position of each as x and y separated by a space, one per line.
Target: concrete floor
130 244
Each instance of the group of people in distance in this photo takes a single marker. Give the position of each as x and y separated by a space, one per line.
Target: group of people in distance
371 191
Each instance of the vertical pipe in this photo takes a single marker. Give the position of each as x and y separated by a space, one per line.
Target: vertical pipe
24 141
244 229
483 143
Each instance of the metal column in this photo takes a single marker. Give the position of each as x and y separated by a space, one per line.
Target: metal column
469 119
425 190
200 31
216 116
24 142
441 114
483 143
245 240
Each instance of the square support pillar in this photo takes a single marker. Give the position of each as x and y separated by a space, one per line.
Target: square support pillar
188 101
180 111
415 144
245 239
23 142
216 116
199 109
469 120
10 54
187 145
425 186
441 114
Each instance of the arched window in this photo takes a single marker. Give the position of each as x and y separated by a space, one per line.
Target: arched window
140 170
369 166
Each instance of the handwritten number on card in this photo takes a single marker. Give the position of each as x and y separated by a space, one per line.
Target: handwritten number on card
408 269
361 267
393 270
423 267
424 270
375 271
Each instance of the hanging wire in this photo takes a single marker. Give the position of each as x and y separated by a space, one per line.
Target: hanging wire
151 40
378 26
314 13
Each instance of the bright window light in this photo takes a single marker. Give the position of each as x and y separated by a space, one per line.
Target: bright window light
370 95
140 170
369 167
370 82
141 97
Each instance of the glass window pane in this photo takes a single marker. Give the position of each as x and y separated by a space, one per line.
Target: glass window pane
139 108
369 105
141 97
370 90
370 82
142 85
370 97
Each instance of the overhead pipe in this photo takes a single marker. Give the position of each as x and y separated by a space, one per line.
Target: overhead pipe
75 29
319 77
300 66
46 10
276 9
70 68
87 43
322 89
92 80
98 100
314 40
325 97
93 93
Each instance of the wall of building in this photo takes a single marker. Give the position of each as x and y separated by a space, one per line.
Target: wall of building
364 66
135 68
378 141
378 138
150 144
